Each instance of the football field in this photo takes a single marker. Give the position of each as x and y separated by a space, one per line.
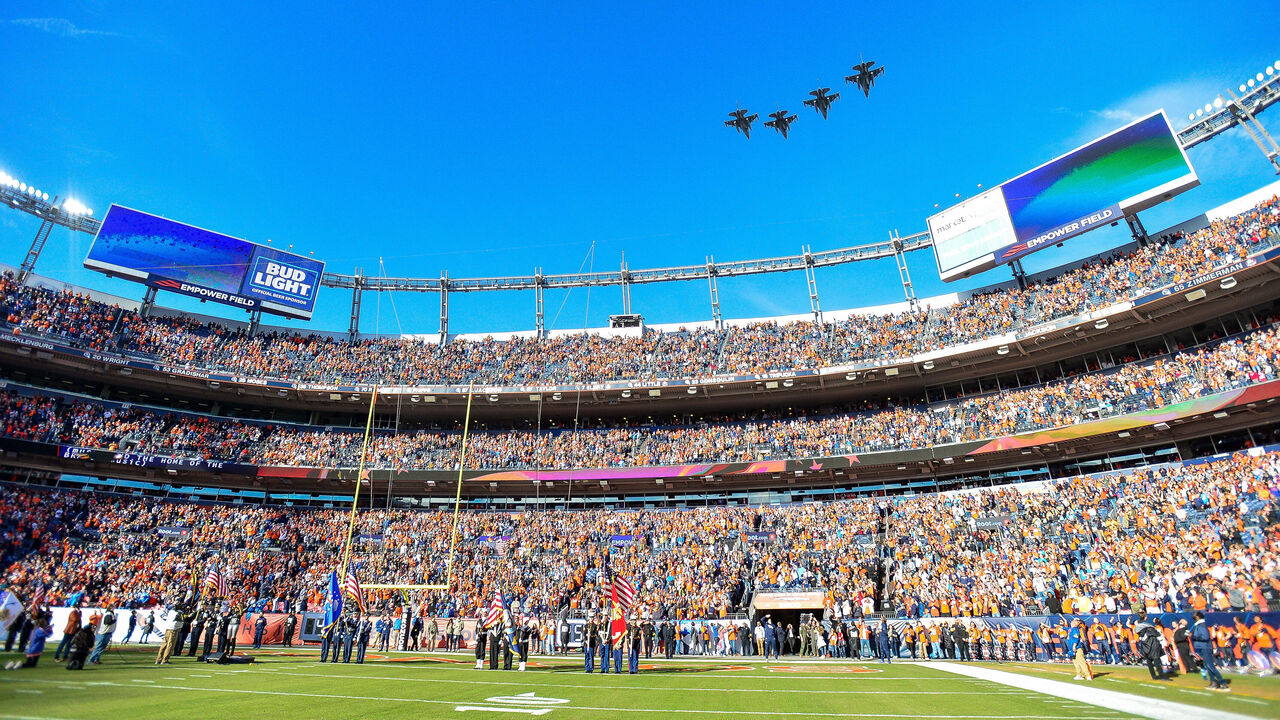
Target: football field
285 686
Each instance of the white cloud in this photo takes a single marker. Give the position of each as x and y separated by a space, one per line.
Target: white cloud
58 26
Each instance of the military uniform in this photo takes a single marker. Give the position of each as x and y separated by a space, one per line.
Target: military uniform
590 641
362 639
481 639
326 642
633 654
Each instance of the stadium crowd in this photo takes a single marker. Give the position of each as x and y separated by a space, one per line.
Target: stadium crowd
585 357
1235 362
1181 537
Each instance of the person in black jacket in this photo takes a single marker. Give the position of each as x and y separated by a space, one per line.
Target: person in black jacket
81 645
1149 645
960 634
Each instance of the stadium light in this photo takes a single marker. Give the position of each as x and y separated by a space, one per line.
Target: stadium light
1217 102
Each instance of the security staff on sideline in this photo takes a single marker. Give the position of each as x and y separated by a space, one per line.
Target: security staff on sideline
290 623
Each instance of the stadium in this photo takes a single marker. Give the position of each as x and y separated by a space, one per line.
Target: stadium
1024 493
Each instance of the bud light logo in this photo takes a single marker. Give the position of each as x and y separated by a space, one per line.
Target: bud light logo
283 280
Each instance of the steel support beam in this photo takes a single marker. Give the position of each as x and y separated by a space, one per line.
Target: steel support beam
904 273
626 288
540 321
444 307
42 236
813 286
715 293
1250 123
1136 228
148 302
356 289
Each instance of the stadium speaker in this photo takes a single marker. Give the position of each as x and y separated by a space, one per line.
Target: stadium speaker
215 658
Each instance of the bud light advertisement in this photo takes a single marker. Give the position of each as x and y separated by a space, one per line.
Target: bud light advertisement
188 260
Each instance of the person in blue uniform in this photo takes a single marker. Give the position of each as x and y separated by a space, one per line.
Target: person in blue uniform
362 639
259 629
883 643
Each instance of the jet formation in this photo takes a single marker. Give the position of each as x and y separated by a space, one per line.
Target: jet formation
864 77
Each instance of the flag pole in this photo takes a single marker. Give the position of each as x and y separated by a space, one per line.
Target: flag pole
457 497
355 501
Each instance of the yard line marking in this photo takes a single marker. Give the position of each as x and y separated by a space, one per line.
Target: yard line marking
25 691
1092 695
666 711
637 687
142 681
28 717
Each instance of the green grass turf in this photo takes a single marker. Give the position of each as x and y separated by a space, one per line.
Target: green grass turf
290 686
1250 694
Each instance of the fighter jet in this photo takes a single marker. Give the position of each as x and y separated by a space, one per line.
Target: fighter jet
864 76
742 121
780 122
821 101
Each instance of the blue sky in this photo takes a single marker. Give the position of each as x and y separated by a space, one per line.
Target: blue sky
491 138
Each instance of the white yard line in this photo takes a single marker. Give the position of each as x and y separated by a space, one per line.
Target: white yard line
664 711
1092 695
644 687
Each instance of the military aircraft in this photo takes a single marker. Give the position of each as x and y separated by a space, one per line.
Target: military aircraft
821 101
742 121
780 122
864 76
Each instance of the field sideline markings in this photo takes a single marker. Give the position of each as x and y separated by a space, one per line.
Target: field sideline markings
642 687
1140 705
668 711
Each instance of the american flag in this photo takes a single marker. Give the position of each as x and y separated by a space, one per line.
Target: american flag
217 581
492 617
351 587
37 596
622 592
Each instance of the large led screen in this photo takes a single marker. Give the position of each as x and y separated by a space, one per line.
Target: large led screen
1129 170
192 261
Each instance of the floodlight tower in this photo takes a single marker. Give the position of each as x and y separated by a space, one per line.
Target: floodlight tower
1255 95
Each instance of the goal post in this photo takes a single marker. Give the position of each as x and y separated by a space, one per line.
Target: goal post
363 474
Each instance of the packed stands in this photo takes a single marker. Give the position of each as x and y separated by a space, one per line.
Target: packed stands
582 358
1167 538
1236 362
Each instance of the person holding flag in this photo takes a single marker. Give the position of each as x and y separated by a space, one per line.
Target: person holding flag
622 595
332 614
491 617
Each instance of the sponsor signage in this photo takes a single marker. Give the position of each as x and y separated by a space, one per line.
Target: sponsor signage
761 537
992 522
788 601
191 261
173 531
624 540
